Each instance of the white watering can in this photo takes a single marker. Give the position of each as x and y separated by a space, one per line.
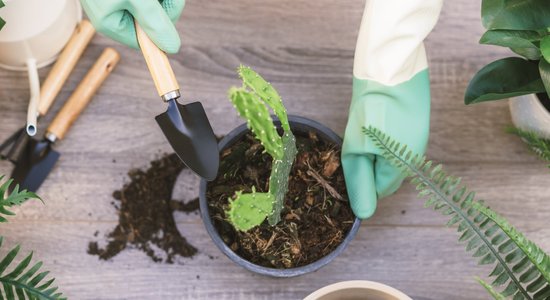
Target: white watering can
34 34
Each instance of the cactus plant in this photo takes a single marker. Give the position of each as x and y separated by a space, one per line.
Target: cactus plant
251 101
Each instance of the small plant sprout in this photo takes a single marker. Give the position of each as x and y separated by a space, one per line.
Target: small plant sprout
252 102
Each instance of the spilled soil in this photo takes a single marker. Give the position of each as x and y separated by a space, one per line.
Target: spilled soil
146 215
315 219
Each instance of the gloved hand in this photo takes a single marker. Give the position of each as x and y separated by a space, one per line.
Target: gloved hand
390 92
115 19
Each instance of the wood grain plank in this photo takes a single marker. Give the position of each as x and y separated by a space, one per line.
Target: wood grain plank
305 48
394 255
128 100
78 194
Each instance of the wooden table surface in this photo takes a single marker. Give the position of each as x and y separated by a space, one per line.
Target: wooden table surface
305 48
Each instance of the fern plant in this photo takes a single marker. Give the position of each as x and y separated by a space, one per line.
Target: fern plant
14 198
21 282
539 145
521 269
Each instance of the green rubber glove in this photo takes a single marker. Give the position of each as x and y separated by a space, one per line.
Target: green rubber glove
401 111
115 19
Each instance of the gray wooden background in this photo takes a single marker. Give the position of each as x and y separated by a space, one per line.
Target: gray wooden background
305 48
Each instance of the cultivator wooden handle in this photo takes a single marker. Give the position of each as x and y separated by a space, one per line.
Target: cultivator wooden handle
158 64
64 65
83 94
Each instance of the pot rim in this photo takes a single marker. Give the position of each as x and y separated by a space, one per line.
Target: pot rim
229 139
358 284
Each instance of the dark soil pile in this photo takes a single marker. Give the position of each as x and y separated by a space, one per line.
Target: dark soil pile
146 220
316 217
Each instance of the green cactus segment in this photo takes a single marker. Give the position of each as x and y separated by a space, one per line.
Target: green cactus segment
253 101
249 210
266 92
259 120
278 181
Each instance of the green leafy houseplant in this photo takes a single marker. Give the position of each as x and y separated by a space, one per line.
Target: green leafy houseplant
524 27
252 100
2 22
521 269
21 282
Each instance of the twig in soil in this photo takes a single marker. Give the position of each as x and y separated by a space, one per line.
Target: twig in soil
273 236
336 238
325 184
329 221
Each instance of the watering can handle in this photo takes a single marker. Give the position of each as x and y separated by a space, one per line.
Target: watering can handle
64 65
158 64
83 94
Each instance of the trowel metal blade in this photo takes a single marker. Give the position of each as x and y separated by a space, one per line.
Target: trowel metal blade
34 164
189 132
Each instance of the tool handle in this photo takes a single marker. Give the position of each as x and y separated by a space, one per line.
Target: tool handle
158 64
64 65
83 94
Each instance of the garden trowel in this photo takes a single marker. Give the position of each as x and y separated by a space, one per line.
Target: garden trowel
11 147
185 126
38 158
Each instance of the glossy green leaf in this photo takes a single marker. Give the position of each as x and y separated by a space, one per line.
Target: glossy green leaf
528 53
544 69
521 42
545 47
510 38
504 78
515 14
2 22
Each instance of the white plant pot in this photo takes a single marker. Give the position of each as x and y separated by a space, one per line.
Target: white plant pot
357 290
529 114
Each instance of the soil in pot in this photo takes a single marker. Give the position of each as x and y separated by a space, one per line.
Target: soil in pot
315 219
545 100
146 221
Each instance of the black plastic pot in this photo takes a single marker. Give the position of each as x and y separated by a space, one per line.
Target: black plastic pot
545 100
298 125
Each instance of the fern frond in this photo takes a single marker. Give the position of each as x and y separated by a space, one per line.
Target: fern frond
538 144
496 295
23 282
16 197
519 265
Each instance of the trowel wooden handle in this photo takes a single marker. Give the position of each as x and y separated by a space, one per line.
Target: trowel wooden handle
158 64
64 65
83 93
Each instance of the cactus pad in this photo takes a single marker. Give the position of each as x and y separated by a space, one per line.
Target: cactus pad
249 210
266 92
258 119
